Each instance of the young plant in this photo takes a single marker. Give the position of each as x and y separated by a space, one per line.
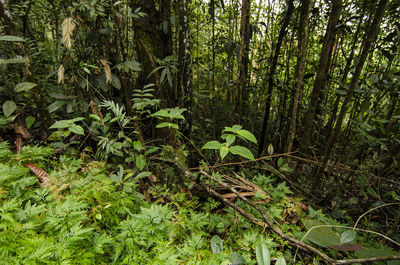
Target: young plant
230 134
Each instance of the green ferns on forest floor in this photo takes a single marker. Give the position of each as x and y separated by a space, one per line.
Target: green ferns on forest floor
80 215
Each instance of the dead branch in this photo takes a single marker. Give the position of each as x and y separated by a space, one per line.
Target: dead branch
266 221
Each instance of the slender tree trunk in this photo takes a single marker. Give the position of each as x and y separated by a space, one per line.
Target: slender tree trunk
370 36
321 72
243 58
270 76
346 71
299 73
185 87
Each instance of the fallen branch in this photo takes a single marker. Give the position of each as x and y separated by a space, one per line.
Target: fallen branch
266 221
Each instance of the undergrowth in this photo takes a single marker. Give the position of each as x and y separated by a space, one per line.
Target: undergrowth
83 215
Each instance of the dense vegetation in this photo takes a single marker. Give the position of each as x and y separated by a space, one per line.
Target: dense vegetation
199 132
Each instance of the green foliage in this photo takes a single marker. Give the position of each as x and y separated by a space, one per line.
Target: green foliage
230 134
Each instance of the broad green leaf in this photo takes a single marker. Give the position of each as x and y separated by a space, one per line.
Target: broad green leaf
161 113
143 175
163 125
281 261
137 145
348 236
212 145
140 161
94 117
321 236
115 82
30 120
280 162
242 151
77 129
223 152
373 253
9 107
11 38
262 254
61 124
216 244
24 86
247 135
56 105
77 119
236 259
230 138
236 127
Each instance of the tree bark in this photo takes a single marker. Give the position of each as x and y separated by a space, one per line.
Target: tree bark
321 72
185 87
152 42
243 58
271 74
299 73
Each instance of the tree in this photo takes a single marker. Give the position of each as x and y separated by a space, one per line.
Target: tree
322 69
269 77
243 58
299 73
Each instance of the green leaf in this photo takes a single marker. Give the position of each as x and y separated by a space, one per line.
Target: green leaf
77 129
24 86
163 125
236 259
56 105
242 151
281 261
216 244
230 138
212 145
247 135
262 254
143 175
137 145
348 236
9 107
115 82
94 117
30 120
321 236
280 162
61 124
223 151
11 38
270 149
140 161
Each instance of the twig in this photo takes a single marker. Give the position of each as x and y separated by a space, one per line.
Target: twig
267 222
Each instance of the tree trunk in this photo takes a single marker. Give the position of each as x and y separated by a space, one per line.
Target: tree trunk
184 83
243 58
322 69
271 74
152 42
368 40
299 73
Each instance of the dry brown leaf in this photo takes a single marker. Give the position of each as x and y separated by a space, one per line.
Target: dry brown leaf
349 247
18 143
60 74
40 173
21 130
107 71
68 27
